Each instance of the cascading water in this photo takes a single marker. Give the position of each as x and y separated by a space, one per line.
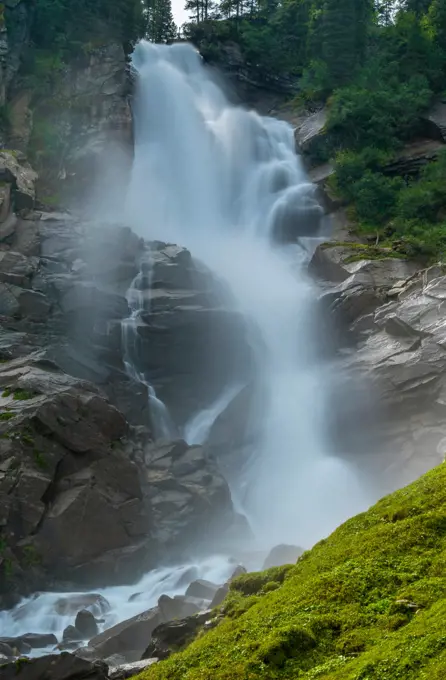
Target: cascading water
226 183
139 301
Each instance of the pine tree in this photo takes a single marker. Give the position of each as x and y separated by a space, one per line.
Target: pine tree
161 27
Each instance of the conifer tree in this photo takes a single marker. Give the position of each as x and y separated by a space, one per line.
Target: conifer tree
161 27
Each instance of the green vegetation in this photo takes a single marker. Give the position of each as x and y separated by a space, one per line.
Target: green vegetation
377 65
23 395
7 415
368 603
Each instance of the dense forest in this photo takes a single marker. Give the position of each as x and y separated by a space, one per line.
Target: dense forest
377 65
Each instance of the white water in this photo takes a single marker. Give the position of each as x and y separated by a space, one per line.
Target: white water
221 180
38 613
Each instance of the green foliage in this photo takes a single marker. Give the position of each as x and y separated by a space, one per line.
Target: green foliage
63 26
23 395
160 26
6 415
364 115
368 603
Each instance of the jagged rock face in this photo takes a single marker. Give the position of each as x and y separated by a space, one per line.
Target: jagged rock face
394 371
65 481
17 14
73 473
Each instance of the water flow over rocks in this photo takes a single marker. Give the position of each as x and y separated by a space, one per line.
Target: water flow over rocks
226 183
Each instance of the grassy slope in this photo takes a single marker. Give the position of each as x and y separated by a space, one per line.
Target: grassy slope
368 603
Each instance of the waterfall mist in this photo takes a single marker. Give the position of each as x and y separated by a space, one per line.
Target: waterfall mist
227 184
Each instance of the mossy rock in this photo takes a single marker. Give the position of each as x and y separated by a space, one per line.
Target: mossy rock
368 603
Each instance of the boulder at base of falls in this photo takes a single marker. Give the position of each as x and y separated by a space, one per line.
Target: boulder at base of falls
86 624
54 667
128 638
65 481
174 634
202 588
128 670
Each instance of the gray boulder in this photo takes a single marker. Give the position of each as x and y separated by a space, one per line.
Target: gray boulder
65 475
128 670
174 634
57 667
128 638
202 589
86 624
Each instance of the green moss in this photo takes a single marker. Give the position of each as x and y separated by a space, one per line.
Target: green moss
27 438
368 603
31 556
362 251
7 392
40 459
7 415
23 395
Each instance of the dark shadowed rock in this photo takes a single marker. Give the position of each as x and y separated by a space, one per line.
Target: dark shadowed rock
30 641
282 554
189 498
219 596
6 650
71 634
128 638
71 604
169 636
202 589
86 624
128 670
69 481
178 607
55 667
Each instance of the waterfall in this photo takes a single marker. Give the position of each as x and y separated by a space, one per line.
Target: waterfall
139 301
227 184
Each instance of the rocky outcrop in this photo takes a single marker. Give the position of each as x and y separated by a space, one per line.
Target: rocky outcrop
57 667
190 341
393 317
15 23
171 636
189 497
65 481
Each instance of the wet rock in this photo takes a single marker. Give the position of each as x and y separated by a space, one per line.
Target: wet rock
174 634
282 554
128 638
191 321
178 607
86 624
71 604
71 482
6 650
57 667
202 589
18 645
219 596
71 634
189 498
128 670
21 176
309 132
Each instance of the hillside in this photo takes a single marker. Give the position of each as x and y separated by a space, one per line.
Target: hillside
368 603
